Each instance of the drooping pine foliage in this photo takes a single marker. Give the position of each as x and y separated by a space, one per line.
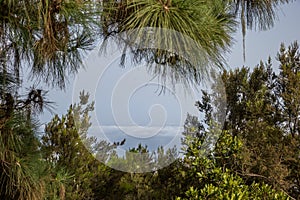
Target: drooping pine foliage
185 41
48 37
179 40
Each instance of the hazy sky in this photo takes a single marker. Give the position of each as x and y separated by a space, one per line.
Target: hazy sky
128 96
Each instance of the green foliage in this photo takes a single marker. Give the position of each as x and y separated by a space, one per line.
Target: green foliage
19 160
22 171
211 177
288 87
255 116
66 146
136 160
257 153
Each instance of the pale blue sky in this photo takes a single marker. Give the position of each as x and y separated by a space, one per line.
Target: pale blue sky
144 103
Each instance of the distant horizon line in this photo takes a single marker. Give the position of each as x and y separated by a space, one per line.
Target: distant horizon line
141 126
